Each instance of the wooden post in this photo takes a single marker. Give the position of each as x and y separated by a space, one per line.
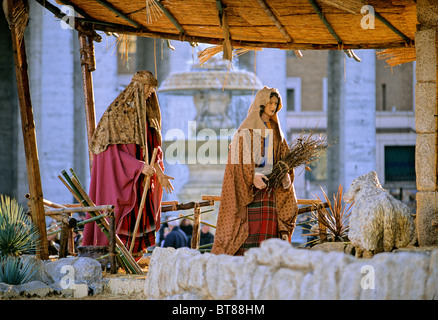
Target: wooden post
112 242
29 136
196 227
88 65
63 243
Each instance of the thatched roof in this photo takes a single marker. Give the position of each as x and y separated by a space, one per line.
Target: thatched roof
284 24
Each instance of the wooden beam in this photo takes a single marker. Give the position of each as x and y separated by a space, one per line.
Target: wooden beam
29 137
223 23
325 22
88 65
274 19
118 12
392 27
278 24
170 16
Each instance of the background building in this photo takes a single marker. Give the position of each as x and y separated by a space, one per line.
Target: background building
368 106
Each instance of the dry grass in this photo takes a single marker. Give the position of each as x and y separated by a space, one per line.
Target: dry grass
303 151
334 218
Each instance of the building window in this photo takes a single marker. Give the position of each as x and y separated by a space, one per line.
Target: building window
290 99
293 92
399 163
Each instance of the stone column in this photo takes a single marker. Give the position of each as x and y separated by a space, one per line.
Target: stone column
350 118
426 123
50 59
9 111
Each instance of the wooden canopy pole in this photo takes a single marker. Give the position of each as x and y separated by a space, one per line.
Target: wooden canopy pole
88 64
29 135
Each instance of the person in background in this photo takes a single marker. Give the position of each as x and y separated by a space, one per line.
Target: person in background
176 238
206 236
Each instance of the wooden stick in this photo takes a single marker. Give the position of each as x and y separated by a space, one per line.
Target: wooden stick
186 206
202 222
312 208
112 243
86 49
104 224
118 12
170 16
299 201
108 208
29 136
274 19
196 228
142 202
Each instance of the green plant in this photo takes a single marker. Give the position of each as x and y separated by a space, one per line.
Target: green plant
18 235
14 270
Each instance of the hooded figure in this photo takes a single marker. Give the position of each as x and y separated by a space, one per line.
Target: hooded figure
249 212
124 139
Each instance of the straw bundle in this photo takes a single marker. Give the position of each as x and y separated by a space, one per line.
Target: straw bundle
303 151
153 11
397 56
208 53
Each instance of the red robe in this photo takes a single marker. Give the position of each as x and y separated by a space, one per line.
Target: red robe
116 179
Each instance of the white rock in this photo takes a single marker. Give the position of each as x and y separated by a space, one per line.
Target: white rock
221 275
34 288
432 281
378 222
286 284
80 290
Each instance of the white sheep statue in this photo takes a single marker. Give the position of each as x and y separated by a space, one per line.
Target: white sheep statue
378 221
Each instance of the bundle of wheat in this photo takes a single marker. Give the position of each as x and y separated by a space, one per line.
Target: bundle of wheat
303 150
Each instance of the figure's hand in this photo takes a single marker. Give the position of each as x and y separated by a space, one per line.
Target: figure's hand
164 180
148 170
259 180
286 181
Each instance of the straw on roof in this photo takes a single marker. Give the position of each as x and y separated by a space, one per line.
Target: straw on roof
307 22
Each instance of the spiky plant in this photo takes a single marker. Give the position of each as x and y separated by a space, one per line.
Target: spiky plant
18 235
14 270
335 217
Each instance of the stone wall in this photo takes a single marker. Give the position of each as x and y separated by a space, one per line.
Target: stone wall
278 271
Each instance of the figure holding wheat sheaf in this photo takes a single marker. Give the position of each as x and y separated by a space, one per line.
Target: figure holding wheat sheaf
258 198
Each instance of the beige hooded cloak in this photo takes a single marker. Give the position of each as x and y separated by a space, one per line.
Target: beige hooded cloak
237 189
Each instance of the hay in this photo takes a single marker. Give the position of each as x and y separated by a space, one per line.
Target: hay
352 6
250 26
397 56
303 151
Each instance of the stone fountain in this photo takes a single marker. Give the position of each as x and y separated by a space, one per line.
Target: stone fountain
221 97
